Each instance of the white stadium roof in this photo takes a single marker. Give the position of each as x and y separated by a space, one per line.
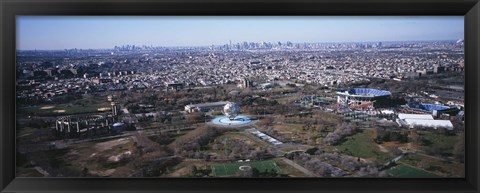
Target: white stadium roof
422 120
430 123
415 116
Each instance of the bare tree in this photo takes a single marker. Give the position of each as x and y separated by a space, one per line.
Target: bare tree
371 171
345 129
459 149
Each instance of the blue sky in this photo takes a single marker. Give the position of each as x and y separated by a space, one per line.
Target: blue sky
83 32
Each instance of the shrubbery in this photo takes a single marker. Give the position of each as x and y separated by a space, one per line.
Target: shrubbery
189 144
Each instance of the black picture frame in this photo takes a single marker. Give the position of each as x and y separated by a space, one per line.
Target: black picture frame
10 8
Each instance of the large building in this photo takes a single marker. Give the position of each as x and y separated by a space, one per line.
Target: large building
246 83
90 124
422 121
175 86
360 97
205 107
433 109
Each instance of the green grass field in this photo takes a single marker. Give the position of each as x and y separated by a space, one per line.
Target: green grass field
404 171
64 109
449 169
230 169
437 140
362 145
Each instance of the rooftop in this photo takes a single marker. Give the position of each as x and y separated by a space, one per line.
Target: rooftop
209 104
365 92
427 107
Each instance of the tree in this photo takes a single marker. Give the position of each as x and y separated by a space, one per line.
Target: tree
193 170
85 172
193 140
350 163
312 150
342 131
267 121
371 171
195 117
246 92
459 149
414 136
164 138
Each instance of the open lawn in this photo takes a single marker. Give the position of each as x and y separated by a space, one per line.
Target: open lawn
230 169
91 155
248 138
64 109
242 136
444 143
286 99
286 148
444 168
404 171
292 128
362 145
151 125
288 169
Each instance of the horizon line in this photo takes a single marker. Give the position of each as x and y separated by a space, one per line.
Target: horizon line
204 46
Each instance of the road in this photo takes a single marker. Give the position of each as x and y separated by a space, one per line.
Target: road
42 171
298 167
421 153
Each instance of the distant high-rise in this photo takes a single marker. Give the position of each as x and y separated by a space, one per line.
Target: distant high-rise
246 83
114 108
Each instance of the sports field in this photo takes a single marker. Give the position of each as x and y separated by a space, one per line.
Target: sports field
404 171
230 169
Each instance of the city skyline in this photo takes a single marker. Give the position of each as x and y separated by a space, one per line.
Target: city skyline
103 32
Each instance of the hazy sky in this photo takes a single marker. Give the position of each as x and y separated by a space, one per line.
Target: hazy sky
61 32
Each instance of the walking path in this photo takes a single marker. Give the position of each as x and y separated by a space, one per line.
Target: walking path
42 171
298 167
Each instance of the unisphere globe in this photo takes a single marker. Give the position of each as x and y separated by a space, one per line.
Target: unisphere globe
231 110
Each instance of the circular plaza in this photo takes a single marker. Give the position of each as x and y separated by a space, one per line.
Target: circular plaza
239 120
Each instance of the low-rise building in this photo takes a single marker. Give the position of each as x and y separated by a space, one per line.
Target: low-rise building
205 107
422 120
